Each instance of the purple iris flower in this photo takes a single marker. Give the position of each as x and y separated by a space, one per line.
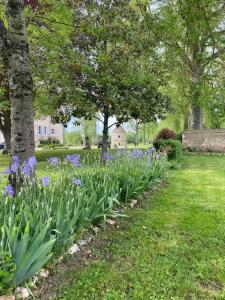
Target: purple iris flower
137 153
107 156
7 171
15 163
8 190
53 161
77 182
15 158
73 159
32 161
157 156
151 150
26 170
29 166
45 181
15 166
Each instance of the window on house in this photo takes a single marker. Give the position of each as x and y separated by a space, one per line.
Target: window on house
39 130
118 136
45 130
52 131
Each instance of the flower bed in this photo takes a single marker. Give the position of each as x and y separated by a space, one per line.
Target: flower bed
44 217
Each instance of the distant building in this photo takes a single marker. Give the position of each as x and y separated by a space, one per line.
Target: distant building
44 129
1 138
119 138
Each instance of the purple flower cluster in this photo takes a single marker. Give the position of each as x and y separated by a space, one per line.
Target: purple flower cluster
137 153
150 150
7 171
14 166
54 161
28 166
74 159
77 182
107 156
8 190
157 156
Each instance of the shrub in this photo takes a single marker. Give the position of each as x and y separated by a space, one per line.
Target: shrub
166 134
173 148
49 141
53 146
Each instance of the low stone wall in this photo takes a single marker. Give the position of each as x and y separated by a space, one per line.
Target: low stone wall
204 140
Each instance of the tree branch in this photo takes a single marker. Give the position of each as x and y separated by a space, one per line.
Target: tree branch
113 124
97 118
215 55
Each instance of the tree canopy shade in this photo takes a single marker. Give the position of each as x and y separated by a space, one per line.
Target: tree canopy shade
108 68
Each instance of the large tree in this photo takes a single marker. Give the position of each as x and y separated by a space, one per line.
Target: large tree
20 82
44 30
191 34
109 70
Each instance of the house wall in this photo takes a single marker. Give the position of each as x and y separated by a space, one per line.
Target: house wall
119 139
44 129
1 138
204 140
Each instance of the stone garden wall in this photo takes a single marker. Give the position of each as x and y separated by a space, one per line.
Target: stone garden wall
204 140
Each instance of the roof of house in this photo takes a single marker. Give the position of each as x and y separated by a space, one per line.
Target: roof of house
119 129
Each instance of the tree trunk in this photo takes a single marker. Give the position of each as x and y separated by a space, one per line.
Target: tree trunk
20 83
144 131
186 121
105 139
137 135
148 133
195 119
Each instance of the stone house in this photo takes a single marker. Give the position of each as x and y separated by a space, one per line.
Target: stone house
43 130
119 138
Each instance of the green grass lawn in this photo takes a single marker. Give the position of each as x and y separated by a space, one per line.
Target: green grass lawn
173 247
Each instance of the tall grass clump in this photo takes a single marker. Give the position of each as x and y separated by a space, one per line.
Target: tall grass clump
44 216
